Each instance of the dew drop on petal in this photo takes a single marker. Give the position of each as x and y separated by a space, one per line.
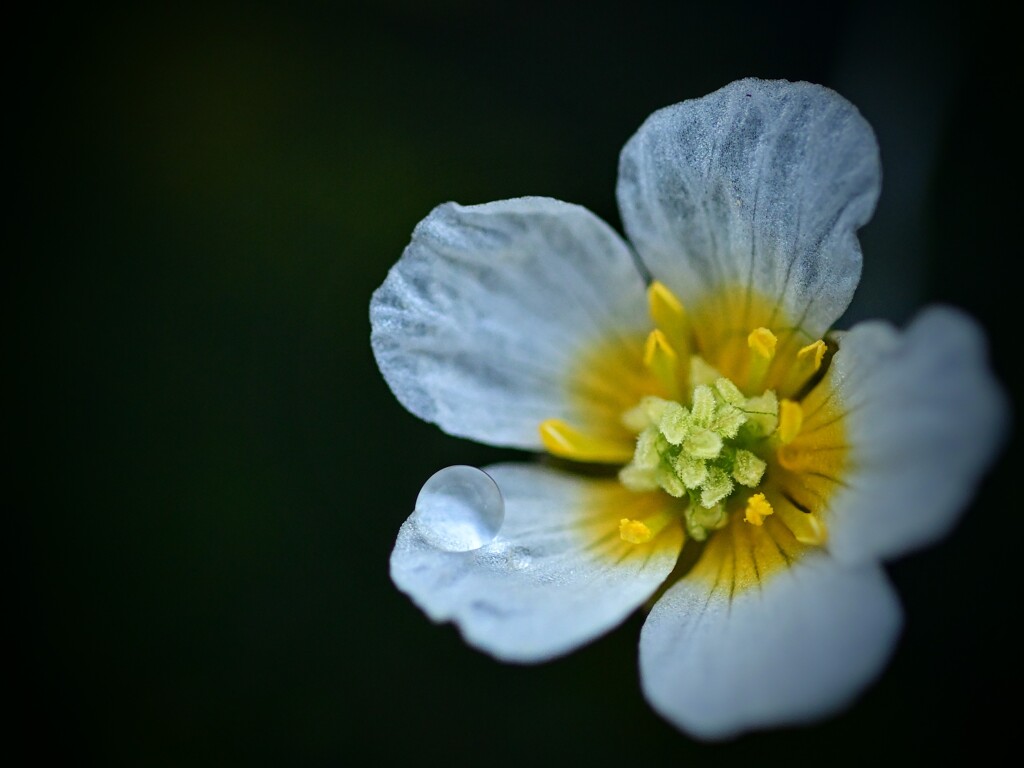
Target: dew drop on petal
459 509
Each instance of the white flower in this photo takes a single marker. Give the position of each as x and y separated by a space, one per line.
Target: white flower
791 460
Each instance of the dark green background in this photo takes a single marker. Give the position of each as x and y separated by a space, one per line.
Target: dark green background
214 471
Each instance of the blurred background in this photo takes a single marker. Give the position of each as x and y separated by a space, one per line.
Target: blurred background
215 471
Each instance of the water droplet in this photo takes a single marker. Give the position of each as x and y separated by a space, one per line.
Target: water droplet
459 509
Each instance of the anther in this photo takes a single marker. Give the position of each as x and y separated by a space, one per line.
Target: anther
812 354
762 342
805 527
669 316
662 361
642 531
758 508
791 420
634 531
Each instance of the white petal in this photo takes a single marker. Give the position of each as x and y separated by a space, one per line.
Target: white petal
479 324
925 419
760 184
799 648
557 576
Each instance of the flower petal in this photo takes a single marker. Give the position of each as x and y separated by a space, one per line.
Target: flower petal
760 185
558 574
796 649
925 418
485 319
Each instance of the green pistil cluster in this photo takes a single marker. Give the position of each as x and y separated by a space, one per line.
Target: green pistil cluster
702 452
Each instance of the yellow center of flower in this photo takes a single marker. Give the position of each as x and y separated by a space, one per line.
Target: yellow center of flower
705 452
725 423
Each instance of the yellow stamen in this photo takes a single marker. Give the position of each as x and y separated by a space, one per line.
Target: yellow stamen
807 363
662 361
758 508
668 315
791 419
634 531
569 443
805 527
642 531
812 354
762 342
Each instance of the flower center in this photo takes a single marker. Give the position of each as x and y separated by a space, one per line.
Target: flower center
710 440
706 452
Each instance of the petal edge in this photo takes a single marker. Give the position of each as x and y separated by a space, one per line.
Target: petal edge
479 324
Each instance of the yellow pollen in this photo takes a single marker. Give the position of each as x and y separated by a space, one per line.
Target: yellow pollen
758 508
642 531
791 419
662 361
569 443
762 342
668 314
813 354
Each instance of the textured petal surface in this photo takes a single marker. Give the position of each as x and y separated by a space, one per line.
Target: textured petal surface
557 576
798 648
925 418
761 184
483 321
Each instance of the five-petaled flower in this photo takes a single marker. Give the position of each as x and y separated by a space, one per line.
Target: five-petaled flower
697 368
